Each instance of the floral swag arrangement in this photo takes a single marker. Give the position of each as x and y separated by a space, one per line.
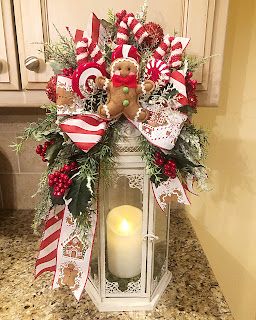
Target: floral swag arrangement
119 70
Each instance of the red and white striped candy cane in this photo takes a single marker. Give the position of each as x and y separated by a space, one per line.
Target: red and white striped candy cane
136 27
95 53
163 48
82 51
122 34
130 22
175 59
87 48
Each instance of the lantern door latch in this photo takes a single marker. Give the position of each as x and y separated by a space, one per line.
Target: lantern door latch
151 237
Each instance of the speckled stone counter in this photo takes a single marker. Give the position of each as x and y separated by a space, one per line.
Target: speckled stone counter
192 294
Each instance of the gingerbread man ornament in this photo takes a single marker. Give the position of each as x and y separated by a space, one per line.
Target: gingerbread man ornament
123 87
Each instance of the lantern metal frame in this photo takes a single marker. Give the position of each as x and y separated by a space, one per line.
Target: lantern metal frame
144 293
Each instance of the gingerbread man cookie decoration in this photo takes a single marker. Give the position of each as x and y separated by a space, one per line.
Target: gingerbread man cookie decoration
70 274
123 87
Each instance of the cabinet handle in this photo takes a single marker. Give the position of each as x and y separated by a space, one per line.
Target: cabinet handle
1 66
32 63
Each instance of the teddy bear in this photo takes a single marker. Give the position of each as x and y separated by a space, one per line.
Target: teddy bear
123 88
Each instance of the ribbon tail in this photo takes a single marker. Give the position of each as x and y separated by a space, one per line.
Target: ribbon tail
73 255
46 258
179 83
162 128
169 189
189 184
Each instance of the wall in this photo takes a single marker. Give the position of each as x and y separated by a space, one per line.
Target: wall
225 218
19 173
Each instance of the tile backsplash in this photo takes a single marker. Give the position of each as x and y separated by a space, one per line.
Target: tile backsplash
19 173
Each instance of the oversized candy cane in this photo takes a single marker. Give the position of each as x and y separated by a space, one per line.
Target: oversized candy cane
95 53
122 34
175 59
177 45
130 22
86 49
163 48
82 51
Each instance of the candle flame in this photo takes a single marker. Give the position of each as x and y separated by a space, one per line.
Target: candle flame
124 226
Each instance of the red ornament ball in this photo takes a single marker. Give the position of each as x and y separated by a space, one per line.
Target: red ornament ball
156 34
51 88
68 72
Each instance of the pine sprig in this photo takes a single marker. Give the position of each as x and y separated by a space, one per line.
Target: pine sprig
38 130
44 204
61 54
148 152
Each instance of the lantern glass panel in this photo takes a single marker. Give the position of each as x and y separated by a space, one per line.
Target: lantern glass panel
123 210
160 244
94 266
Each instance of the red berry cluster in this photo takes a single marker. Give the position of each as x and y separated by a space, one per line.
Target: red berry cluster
191 90
120 16
168 166
41 149
60 180
68 72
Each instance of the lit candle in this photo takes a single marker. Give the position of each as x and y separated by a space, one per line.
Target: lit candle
124 240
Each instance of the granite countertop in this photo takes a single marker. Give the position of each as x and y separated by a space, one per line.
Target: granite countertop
192 294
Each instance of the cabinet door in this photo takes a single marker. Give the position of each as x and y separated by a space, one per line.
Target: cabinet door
9 79
193 18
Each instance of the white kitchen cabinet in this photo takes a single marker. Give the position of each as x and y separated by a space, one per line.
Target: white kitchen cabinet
202 20
9 77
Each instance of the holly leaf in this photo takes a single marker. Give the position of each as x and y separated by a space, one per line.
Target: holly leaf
53 150
187 109
171 94
80 196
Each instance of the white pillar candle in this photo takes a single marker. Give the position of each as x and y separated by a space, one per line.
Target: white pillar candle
124 240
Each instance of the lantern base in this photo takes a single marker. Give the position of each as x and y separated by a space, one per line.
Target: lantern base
128 303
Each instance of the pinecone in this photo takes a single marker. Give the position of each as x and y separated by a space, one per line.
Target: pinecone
51 89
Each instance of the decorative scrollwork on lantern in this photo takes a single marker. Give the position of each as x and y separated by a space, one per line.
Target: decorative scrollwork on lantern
135 180
132 287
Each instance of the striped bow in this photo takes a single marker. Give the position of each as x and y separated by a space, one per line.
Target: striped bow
84 130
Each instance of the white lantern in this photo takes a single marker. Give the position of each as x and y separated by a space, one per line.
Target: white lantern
129 259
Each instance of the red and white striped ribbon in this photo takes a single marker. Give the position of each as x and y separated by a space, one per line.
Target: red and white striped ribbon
129 22
73 255
84 130
167 189
46 259
94 30
179 83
